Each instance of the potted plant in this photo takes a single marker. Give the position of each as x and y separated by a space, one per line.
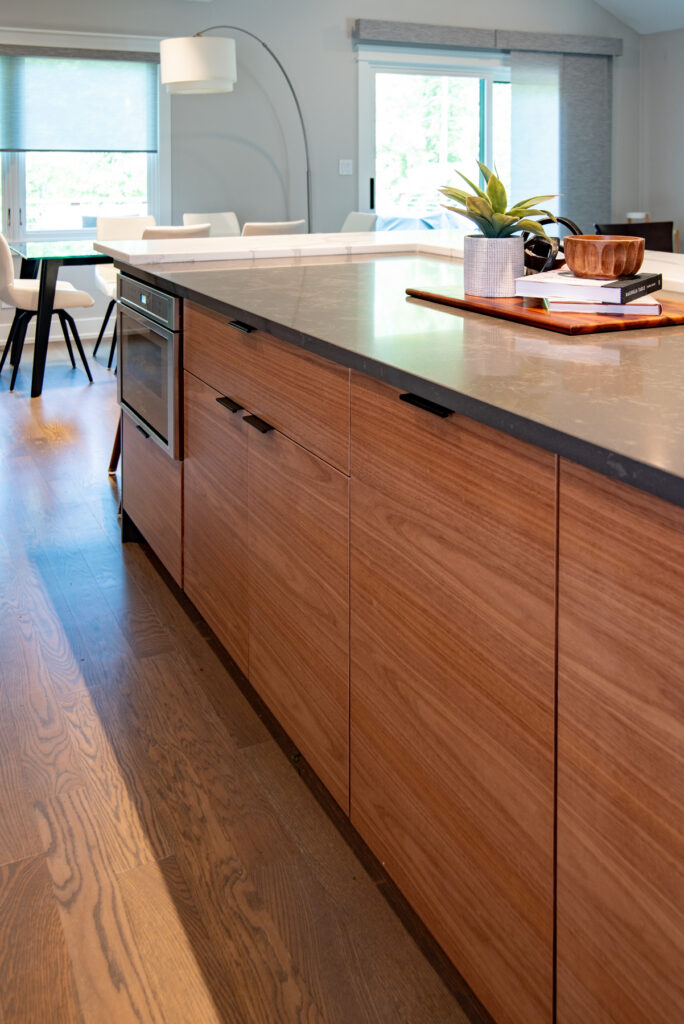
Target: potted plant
495 257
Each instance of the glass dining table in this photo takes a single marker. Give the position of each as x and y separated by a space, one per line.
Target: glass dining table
45 259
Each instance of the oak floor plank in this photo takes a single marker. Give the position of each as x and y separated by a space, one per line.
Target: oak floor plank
183 962
36 983
131 838
18 834
190 633
221 827
109 973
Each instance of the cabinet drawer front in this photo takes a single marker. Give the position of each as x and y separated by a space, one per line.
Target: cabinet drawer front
300 394
299 599
151 495
215 515
620 753
217 353
452 685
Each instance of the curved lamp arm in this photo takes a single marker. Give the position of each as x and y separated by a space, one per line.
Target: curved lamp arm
236 28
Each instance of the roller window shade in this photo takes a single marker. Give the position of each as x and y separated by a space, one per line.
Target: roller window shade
53 103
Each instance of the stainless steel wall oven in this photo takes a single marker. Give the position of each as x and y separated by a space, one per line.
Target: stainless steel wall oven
150 336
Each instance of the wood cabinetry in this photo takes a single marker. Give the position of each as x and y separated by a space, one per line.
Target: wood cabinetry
299 599
267 526
620 754
301 395
215 541
452 685
152 495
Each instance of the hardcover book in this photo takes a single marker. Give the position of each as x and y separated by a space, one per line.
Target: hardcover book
562 284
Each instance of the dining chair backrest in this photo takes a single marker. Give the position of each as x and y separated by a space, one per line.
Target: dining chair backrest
220 224
116 228
359 222
6 272
282 227
658 234
175 231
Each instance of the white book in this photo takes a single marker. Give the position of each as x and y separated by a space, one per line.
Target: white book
562 284
643 306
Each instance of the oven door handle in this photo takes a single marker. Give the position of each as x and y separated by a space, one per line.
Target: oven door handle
147 322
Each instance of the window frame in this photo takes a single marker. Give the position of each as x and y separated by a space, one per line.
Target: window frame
489 68
12 165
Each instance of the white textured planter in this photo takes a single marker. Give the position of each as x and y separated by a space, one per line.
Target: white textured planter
491 265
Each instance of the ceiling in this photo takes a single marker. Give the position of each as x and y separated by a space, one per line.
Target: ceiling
653 16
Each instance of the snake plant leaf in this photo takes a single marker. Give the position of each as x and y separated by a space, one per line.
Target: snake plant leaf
496 194
486 173
518 211
479 205
454 193
524 204
484 225
476 188
532 226
504 224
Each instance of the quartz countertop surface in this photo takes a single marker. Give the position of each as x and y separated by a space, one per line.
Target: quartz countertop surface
613 402
193 250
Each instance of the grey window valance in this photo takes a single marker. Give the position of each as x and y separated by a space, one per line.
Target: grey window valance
405 33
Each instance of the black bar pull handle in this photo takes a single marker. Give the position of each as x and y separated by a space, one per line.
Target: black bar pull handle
239 325
371 198
229 404
261 425
426 404
143 432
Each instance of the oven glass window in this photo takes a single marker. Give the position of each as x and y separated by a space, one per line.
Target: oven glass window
144 373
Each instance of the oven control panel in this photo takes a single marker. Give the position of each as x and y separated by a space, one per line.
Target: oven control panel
159 306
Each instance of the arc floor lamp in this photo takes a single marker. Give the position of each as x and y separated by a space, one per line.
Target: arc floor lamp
206 64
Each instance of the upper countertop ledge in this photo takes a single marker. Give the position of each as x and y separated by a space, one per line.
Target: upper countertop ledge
445 243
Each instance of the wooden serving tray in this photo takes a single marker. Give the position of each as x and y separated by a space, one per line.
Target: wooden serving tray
533 313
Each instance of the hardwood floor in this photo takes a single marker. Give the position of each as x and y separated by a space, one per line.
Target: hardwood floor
161 860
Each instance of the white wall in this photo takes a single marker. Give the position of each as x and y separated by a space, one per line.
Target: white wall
243 151
662 118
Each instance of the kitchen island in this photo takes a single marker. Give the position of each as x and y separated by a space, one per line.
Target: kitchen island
448 552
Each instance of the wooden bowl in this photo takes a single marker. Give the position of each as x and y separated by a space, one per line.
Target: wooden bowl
603 256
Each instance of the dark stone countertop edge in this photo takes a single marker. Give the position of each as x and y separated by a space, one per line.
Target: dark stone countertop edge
637 474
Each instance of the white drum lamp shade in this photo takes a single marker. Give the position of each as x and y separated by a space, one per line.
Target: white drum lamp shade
198 64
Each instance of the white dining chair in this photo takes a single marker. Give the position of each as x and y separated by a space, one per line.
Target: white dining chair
220 224
112 229
359 222
176 231
22 294
283 227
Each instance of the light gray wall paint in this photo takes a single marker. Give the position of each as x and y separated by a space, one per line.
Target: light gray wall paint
662 118
242 151
654 16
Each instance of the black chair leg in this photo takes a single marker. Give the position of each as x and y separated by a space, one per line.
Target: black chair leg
112 350
18 346
65 332
18 316
77 338
107 315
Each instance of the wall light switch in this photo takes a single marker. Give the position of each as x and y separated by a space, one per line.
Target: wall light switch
346 166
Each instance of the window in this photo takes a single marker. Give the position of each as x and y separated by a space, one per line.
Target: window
79 138
423 116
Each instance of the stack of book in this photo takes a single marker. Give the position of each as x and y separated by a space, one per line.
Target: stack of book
562 292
